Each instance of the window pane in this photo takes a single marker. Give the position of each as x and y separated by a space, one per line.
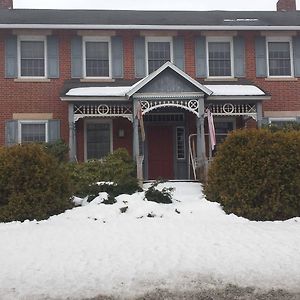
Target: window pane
98 140
279 59
219 59
180 139
158 54
33 132
222 129
97 59
32 58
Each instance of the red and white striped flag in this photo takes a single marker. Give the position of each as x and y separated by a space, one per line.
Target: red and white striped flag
211 129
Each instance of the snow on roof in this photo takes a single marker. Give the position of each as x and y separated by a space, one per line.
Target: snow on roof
235 90
99 91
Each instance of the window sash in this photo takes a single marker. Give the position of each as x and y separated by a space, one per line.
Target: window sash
32 58
180 143
279 55
97 59
158 53
219 59
33 132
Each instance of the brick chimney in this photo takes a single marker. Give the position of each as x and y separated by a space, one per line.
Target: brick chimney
6 4
286 5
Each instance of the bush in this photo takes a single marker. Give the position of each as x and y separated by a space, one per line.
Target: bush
33 185
164 196
116 167
256 174
58 149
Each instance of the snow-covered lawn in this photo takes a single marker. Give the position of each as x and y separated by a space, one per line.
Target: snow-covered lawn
95 249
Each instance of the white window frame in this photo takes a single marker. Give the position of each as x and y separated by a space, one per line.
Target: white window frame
225 39
88 121
21 122
284 39
158 39
282 119
32 38
96 39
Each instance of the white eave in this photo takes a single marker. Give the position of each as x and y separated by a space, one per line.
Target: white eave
235 90
145 27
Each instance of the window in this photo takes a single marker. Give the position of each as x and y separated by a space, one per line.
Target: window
159 51
280 122
98 139
97 57
33 131
180 142
32 57
219 53
279 57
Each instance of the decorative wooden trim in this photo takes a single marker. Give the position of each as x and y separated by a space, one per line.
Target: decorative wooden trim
32 116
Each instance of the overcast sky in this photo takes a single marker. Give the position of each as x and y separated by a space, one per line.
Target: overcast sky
152 4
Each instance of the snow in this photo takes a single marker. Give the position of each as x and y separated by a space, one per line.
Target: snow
95 249
235 90
99 91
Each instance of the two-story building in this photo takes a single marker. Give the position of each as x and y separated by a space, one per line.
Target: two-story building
98 79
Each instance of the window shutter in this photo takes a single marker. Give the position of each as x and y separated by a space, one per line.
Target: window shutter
53 56
139 57
11 57
117 56
11 132
239 56
200 56
178 51
261 56
53 130
296 52
76 57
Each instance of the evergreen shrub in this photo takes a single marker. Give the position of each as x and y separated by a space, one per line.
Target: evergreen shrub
159 196
33 184
256 174
116 168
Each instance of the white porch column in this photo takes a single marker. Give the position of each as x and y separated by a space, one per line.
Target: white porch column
201 149
259 114
72 133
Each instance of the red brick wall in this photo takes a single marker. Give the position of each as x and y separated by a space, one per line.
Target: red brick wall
6 3
286 5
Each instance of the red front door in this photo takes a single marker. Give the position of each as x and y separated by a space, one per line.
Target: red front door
160 152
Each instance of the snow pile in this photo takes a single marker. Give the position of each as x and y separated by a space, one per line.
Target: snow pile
134 246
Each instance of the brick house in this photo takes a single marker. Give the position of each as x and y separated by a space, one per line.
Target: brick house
86 77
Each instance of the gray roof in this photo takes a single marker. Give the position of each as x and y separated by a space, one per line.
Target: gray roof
162 18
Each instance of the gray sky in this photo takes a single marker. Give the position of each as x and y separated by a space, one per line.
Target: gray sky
152 4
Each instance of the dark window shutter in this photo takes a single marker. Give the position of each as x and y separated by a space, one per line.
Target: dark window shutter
11 132
11 57
117 56
139 57
239 56
200 56
261 56
76 57
296 51
53 56
53 130
178 51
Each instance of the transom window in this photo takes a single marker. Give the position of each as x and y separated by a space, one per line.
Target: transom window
33 131
32 62
158 52
97 58
219 58
279 58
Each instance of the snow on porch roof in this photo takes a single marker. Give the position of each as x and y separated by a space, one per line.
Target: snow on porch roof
235 90
121 91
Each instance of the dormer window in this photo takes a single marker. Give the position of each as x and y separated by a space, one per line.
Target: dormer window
159 51
97 57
